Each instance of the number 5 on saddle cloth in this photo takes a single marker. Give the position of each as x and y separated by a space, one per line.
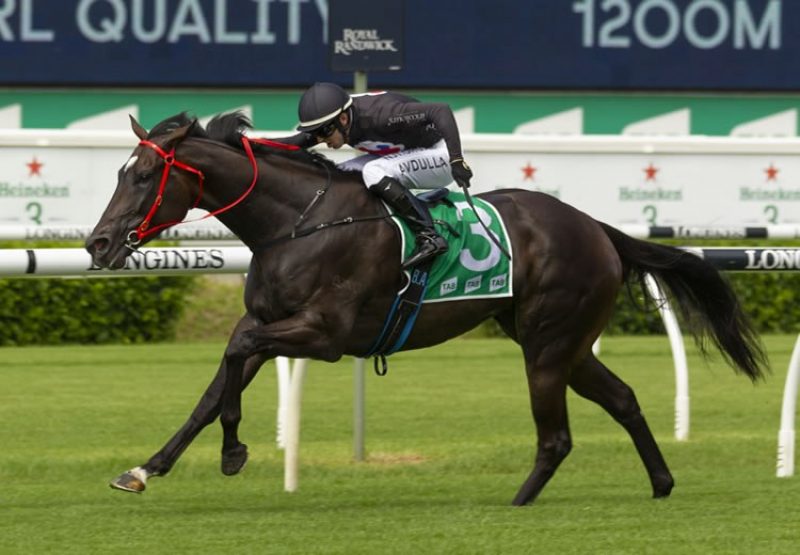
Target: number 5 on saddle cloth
472 268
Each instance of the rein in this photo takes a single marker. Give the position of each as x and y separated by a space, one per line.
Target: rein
144 230
296 232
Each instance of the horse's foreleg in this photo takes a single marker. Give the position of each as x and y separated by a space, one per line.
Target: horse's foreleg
592 380
304 335
206 411
234 453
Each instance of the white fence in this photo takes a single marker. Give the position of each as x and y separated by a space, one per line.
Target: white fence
150 261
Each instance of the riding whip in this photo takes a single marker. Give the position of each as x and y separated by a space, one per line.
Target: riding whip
491 235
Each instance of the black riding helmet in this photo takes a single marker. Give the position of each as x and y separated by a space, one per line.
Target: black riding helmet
320 105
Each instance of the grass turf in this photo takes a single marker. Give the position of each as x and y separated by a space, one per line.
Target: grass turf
449 439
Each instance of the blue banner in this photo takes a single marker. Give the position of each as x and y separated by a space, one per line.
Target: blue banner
525 44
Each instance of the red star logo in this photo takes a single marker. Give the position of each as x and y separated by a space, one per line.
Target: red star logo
528 171
772 172
34 167
650 172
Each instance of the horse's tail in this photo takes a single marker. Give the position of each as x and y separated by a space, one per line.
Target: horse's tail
704 297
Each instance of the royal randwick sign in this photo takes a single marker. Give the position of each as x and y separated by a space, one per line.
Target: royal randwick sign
365 35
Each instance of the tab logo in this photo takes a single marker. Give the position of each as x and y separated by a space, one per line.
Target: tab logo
448 286
498 282
473 284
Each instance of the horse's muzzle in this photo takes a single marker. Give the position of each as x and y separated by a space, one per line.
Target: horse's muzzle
105 254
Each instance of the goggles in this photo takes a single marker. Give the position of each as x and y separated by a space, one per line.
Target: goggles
326 130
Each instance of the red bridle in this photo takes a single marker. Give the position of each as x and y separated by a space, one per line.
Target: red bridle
144 230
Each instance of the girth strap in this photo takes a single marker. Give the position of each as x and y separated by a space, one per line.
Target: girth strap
402 316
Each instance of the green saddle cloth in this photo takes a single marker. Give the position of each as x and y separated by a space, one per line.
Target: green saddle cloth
473 267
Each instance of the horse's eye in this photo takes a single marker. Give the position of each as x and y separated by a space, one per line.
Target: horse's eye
143 177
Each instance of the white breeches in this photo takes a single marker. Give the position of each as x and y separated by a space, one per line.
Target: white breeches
417 168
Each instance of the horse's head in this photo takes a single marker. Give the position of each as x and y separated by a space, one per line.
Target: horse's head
153 191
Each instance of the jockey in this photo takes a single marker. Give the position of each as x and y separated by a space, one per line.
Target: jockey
408 145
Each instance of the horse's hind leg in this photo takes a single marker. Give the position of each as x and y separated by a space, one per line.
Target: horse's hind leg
592 380
547 386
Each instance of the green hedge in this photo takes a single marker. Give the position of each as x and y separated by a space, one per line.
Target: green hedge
135 310
769 299
39 311
772 301
145 309
100 310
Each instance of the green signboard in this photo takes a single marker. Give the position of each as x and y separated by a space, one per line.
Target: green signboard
489 112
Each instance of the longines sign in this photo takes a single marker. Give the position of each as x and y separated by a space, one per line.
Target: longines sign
148 261
777 259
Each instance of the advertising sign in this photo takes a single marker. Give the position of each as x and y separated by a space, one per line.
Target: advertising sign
522 44
656 182
667 189
56 186
365 35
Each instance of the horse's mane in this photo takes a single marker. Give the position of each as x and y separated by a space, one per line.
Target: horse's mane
228 129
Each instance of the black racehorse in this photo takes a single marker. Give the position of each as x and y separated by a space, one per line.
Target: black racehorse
325 271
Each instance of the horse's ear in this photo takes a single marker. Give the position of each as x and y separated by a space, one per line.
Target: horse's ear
140 131
177 135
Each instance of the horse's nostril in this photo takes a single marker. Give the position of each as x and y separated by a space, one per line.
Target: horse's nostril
99 246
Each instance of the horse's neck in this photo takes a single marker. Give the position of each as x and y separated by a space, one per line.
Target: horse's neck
283 192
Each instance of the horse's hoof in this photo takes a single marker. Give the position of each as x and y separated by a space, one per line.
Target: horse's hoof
128 482
663 488
233 461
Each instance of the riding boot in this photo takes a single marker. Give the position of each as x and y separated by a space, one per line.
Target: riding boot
414 212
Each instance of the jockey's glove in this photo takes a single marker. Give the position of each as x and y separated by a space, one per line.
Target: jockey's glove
460 172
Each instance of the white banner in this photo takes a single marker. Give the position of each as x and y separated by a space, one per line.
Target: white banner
60 178
692 181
